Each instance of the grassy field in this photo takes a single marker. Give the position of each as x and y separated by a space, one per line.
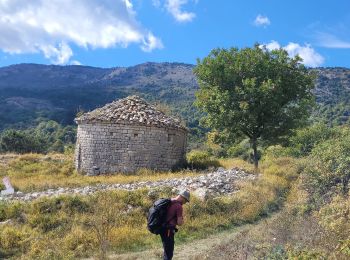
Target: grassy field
37 172
70 227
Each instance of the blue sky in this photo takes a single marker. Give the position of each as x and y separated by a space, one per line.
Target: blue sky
110 33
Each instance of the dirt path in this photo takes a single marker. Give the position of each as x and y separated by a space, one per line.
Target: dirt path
194 250
237 243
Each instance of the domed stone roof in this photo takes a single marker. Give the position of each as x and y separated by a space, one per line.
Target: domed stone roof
130 110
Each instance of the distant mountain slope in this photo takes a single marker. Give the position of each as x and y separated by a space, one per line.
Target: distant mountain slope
30 92
333 94
36 76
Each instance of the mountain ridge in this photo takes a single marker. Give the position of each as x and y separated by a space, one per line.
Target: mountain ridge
31 92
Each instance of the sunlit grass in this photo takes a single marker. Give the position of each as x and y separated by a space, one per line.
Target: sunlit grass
35 172
229 163
59 222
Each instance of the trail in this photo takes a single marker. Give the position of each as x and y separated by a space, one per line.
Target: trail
239 243
195 250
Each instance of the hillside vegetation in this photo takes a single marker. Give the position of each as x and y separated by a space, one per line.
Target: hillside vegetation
301 187
68 227
306 183
32 93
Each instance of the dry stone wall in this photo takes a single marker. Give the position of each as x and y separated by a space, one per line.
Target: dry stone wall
111 147
216 183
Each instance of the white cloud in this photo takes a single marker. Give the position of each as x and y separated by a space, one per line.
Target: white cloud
310 57
51 26
151 42
59 55
331 41
261 20
174 7
273 45
75 62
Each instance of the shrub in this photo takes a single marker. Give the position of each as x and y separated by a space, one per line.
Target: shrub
334 216
107 213
328 167
80 242
13 239
276 151
201 160
307 138
243 150
10 210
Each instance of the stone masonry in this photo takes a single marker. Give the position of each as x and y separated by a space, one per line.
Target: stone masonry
127 135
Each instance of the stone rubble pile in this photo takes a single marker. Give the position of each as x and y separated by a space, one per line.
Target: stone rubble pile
130 110
210 184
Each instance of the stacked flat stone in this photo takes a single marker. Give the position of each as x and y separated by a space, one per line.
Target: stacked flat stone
128 135
131 110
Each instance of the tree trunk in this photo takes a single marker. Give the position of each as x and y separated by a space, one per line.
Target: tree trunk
255 154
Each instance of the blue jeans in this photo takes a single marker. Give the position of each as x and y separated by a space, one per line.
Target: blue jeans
168 243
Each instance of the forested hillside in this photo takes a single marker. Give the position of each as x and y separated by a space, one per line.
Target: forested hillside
30 93
333 95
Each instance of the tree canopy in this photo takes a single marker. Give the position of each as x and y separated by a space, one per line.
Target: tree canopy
254 92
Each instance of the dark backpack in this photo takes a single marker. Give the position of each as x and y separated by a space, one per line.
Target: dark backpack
156 219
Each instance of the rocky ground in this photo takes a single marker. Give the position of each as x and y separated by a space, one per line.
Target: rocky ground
210 184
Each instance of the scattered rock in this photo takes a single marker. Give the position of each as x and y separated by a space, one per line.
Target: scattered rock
9 221
201 193
203 186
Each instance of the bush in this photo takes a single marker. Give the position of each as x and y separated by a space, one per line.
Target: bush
243 150
328 167
11 210
200 160
13 239
306 139
276 151
80 242
334 216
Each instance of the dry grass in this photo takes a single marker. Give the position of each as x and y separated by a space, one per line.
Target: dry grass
36 172
229 163
56 221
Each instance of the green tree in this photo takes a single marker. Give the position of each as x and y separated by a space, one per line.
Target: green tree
254 92
20 142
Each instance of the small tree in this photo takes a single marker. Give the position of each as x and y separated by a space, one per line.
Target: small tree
253 92
107 213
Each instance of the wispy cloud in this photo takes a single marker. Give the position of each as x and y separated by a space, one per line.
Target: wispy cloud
261 20
76 62
310 57
175 8
50 27
331 41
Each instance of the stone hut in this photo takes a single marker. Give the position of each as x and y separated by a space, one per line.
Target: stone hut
126 135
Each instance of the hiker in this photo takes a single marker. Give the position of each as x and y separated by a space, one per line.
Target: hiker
174 217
